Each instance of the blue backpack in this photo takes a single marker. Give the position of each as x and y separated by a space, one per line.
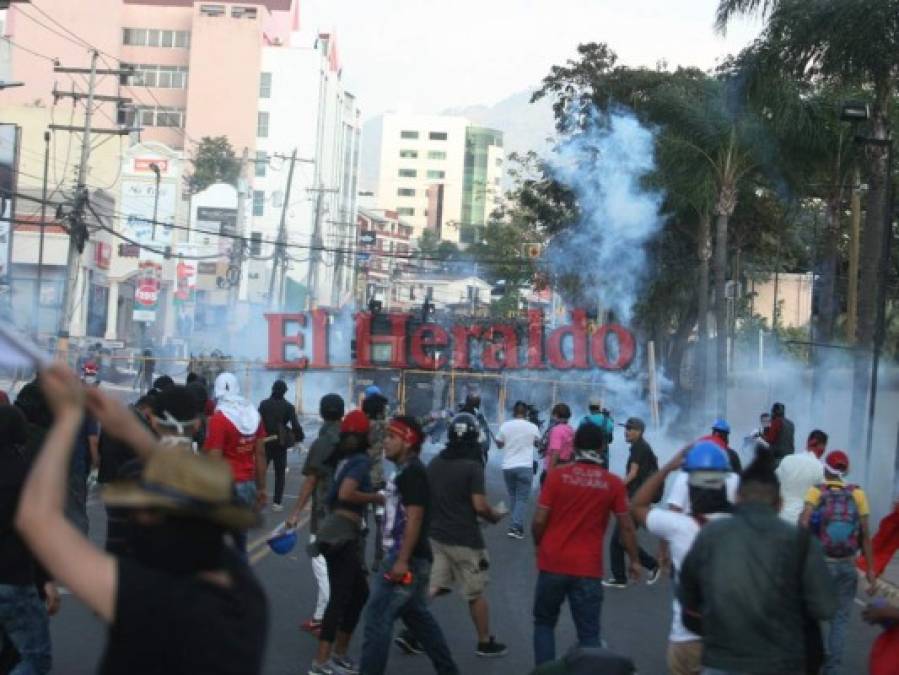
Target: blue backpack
837 522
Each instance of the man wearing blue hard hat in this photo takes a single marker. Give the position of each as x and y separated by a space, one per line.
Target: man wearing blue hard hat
706 468
679 494
721 435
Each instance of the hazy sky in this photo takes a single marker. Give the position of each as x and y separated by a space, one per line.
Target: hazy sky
426 56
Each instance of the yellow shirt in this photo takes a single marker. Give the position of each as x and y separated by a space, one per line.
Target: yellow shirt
813 496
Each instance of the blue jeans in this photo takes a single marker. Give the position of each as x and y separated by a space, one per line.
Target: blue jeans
23 618
518 483
246 493
387 602
845 582
585 602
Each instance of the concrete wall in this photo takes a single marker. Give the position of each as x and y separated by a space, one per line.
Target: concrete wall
794 299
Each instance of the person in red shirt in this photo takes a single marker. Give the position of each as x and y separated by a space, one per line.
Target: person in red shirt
569 528
236 433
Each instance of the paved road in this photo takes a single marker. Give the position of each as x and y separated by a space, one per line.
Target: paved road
635 621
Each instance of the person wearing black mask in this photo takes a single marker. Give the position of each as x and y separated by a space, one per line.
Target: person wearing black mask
185 603
280 420
26 597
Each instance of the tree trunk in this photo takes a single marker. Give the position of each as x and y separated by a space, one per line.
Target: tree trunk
704 252
827 305
720 266
678 346
869 259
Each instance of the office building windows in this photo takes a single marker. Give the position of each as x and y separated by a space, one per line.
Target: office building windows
436 154
405 192
255 243
159 117
437 136
258 203
405 211
153 37
409 135
409 154
262 125
212 10
408 173
163 77
265 85
437 174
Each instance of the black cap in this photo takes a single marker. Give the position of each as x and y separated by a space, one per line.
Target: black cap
635 423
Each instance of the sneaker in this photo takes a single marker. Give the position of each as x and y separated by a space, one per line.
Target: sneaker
408 643
277 508
516 533
614 583
326 668
311 625
654 575
491 649
345 665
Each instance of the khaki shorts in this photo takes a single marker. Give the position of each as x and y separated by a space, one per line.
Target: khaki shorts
685 658
467 567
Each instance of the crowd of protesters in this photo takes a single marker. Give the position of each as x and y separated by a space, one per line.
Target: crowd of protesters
765 560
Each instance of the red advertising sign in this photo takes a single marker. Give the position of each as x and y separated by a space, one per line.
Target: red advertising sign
146 291
102 255
143 165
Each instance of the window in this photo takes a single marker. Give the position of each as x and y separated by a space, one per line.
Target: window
160 117
262 125
136 37
152 38
265 85
437 136
408 173
212 10
409 135
165 77
243 12
258 203
167 39
255 243
436 154
405 211
409 154
182 39
261 163
436 174
143 37
405 192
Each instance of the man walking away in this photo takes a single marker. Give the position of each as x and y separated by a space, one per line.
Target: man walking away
517 438
599 416
458 498
319 473
559 445
800 472
472 406
707 468
401 584
751 583
837 514
721 435
236 434
185 603
780 433
374 405
641 464
569 528
279 418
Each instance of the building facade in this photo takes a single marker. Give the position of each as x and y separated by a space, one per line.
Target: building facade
438 172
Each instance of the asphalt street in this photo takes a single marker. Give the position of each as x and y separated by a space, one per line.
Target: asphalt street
634 621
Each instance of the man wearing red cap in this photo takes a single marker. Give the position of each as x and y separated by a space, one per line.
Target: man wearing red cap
401 583
837 513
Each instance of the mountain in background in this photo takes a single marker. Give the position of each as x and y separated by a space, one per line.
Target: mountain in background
525 127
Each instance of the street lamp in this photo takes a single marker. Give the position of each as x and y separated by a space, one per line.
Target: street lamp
855 112
154 167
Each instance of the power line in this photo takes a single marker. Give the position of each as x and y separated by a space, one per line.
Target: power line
52 60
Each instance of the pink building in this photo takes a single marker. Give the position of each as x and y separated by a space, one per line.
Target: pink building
197 62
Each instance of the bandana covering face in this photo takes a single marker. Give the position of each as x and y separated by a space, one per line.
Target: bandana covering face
404 431
235 407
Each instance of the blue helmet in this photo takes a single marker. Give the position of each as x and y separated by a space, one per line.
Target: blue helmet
373 390
721 425
706 456
283 543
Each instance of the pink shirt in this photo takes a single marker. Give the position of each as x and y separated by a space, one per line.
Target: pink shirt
561 443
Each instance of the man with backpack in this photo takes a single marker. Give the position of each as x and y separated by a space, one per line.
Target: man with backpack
837 513
641 464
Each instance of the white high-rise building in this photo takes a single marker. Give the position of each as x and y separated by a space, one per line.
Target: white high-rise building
437 171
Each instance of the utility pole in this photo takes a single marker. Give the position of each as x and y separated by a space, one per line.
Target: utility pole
237 250
280 257
40 246
77 228
315 250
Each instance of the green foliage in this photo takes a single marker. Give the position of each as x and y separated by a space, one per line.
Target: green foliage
213 162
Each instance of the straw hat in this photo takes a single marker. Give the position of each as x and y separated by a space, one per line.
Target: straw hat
185 484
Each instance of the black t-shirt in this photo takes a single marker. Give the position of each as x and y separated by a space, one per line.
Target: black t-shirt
167 624
453 518
16 564
647 464
116 454
409 487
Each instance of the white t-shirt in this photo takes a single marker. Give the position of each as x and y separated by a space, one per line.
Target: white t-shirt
518 437
679 495
679 530
797 473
